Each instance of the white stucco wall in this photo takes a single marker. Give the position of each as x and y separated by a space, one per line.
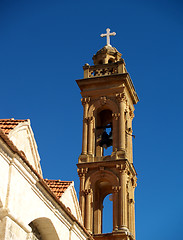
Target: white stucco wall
24 200
69 199
23 138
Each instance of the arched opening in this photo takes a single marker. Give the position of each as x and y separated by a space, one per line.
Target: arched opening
43 229
103 214
107 221
111 60
104 132
102 183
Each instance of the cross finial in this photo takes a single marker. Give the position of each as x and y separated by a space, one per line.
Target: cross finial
108 34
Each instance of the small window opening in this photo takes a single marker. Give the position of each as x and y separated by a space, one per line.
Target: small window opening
100 62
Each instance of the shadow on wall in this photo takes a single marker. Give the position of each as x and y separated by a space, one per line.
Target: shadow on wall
43 228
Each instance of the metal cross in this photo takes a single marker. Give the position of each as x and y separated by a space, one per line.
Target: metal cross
108 34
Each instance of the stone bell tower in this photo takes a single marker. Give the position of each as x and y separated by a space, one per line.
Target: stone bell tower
108 98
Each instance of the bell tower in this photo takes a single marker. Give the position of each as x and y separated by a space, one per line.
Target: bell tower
105 165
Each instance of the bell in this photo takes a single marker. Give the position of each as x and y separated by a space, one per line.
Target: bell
106 140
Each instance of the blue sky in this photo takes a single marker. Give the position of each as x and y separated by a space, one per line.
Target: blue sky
43 46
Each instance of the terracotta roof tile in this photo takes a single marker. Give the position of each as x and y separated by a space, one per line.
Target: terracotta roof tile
8 124
58 187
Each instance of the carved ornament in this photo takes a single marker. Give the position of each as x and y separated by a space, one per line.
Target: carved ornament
82 171
90 119
88 191
121 97
122 167
85 100
103 100
85 120
116 115
131 201
116 189
131 114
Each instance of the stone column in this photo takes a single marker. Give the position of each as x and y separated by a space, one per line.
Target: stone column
81 173
90 135
115 130
133 207
122 198
122 104
131 116
85 104
88 210
128 135
115 190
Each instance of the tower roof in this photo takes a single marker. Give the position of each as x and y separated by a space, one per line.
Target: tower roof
107 54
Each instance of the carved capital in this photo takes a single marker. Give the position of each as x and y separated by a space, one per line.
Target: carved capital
122 168
82 171
85 100
116 115
121 97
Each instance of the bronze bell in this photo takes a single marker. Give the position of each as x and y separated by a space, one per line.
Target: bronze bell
106 140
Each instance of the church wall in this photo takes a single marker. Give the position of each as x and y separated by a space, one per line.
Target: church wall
27 200
4 172
21 139
68 199
11 230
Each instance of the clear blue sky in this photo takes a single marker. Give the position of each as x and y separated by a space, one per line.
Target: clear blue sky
43 46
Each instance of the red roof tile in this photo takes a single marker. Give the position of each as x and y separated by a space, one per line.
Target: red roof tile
8 124
58 187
